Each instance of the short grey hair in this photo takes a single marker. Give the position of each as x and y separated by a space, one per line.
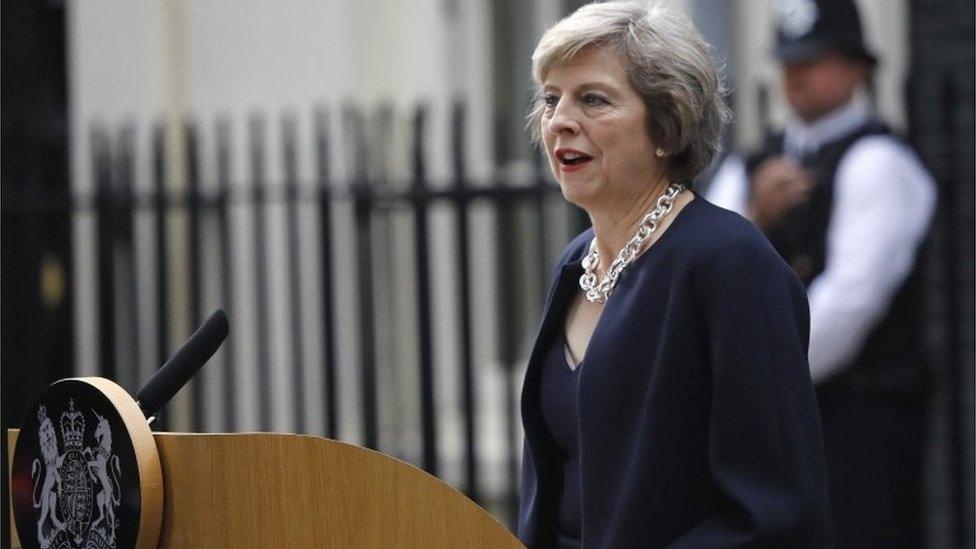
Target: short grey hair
669 65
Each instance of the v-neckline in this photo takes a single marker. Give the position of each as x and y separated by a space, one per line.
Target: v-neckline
652 250
570 363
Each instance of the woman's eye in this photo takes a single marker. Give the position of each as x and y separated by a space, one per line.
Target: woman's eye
594 100
550 100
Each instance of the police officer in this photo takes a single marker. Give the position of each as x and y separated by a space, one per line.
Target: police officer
847 204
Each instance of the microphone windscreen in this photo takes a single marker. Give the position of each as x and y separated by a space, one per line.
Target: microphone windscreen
184 363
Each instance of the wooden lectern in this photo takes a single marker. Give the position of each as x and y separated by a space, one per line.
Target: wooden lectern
284 490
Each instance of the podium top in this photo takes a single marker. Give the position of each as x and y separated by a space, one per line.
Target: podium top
280 490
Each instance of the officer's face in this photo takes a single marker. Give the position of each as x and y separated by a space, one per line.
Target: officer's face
817 86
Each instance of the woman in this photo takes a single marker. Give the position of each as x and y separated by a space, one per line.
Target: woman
667 400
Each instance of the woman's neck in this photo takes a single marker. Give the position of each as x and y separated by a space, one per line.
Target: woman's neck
615 225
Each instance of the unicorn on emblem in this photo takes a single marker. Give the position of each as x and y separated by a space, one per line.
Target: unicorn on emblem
105 468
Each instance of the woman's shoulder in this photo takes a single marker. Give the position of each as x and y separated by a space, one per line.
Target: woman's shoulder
728 259
712 234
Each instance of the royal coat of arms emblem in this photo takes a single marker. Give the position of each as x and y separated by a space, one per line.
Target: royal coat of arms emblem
76 490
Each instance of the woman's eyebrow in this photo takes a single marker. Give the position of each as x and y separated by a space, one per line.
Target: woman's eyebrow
585 86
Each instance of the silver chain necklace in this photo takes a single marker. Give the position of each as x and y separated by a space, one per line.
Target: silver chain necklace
600 292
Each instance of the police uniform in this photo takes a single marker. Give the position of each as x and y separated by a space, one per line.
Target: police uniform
854 243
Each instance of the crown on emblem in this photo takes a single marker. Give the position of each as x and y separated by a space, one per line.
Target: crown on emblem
72 426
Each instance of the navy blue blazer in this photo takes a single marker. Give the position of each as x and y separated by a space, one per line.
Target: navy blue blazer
697 417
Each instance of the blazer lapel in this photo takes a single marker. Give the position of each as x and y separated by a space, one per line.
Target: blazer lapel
563 290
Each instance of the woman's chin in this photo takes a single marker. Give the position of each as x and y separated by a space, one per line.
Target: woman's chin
576 193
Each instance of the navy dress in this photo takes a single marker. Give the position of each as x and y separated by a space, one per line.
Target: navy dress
697 421
558 402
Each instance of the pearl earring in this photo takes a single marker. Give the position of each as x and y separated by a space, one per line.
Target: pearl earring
660 153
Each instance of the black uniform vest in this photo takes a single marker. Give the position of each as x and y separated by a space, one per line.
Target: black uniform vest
891 360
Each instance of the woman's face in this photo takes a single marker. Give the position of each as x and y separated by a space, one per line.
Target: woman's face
593 128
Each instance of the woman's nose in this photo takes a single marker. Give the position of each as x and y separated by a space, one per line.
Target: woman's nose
564 118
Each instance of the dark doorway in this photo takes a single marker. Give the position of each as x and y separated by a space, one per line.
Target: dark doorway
35 223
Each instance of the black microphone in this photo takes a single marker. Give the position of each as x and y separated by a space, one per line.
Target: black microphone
183 364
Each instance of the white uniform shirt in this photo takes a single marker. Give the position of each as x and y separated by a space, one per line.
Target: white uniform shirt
883 202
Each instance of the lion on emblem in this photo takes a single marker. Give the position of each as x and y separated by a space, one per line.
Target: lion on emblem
47 502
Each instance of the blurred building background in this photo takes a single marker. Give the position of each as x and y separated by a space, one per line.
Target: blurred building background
351 181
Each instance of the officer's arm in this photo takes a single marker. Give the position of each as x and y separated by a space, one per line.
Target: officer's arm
883 202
